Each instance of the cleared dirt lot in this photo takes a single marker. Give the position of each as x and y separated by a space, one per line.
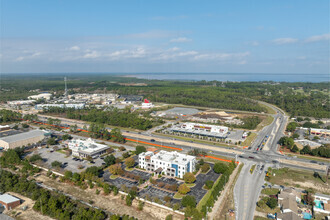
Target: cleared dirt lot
29 213
110 202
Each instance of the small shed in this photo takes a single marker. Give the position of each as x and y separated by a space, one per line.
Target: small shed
9 201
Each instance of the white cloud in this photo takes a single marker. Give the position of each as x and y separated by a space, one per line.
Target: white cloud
91 54
180 40
221 56
255 43
286 40
29 56
74 48
318 38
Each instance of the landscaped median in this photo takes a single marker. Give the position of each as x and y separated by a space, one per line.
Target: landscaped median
252 168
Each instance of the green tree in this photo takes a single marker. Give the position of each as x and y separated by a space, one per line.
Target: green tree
205 167
291 126
183 189
306 150
188 201
51 141
129 162
272 202
140 149
66 137
189 177
56 164
35 158
116 169
109 160
295 149
68 175
220 168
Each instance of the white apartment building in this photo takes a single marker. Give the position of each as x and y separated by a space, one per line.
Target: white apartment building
172 164
85 148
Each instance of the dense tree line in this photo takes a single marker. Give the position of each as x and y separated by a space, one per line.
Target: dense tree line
299 99
9 116
248 123
110 116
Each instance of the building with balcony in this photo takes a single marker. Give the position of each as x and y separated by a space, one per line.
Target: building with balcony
172 164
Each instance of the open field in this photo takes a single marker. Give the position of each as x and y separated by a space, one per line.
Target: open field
266 121
300 179
269 191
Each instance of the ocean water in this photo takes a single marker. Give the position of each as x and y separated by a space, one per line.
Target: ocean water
238 77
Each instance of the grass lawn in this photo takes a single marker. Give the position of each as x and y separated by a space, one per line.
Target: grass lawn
129 169
61 151
307 157
269 191
265 208
114 177
267 121
269 109
178 196
190 185
259 218
249 139
252 168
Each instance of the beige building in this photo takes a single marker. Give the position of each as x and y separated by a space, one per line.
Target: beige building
22 139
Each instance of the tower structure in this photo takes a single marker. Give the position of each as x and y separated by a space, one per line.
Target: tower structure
66 89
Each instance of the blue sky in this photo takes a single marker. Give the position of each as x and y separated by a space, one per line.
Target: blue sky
165 36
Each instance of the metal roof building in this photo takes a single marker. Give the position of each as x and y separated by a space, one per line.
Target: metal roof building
9 201
22 139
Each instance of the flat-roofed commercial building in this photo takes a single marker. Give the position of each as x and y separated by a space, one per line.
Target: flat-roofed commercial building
9 201
85 148
172 164
212 131
22 139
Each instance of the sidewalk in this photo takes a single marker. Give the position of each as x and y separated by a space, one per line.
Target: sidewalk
223 195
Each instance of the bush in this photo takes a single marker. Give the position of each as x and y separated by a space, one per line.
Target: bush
205 167
209 184
121 148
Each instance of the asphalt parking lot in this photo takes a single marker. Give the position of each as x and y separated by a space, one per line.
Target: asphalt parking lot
170 181
153 192
118 182
197 191
143 175
71 165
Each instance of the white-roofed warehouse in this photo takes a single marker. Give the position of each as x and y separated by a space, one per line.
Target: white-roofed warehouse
22 139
